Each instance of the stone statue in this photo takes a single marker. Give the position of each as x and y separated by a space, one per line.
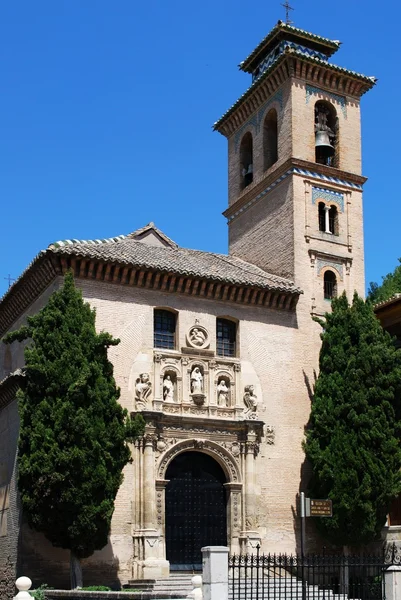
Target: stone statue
143 388
223 393
196 381
168 389
251 402
197 337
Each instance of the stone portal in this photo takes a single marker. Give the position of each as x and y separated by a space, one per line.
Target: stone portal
196 509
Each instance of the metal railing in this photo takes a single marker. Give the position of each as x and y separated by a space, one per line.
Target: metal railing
310 577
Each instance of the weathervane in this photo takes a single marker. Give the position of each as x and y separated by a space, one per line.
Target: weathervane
287 12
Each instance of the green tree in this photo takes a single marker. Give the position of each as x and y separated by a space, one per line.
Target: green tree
390 285
74 434
352 441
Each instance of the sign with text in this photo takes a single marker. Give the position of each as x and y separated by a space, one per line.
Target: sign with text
319 508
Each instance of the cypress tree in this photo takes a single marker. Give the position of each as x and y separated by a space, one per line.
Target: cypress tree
73 431
352 440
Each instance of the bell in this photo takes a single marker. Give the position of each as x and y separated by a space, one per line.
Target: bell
322 144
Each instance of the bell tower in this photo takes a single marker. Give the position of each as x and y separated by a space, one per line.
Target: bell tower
294 173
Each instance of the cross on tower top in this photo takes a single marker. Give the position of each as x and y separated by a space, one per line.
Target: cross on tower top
10 280
287 7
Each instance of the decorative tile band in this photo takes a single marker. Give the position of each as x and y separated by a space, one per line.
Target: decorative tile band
295 171
278 50
256 119
321 263
328 195
310 90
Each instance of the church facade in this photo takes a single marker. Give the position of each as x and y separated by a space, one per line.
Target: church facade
218 352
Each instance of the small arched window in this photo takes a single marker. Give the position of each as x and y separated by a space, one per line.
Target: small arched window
326 134
226 335
246 160
164 326
328 218
333 220
330 285
322 216
270 150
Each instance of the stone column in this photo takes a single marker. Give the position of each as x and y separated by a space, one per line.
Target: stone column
250 537
149 489
326 219
250 484
234 515
154 565
392 583
215 572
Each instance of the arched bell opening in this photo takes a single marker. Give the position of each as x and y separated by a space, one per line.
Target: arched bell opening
270 138
246 160
195 508
326 134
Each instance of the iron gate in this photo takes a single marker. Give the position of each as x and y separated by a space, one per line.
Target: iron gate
311 577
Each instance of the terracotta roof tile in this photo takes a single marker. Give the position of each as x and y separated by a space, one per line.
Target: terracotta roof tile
182 261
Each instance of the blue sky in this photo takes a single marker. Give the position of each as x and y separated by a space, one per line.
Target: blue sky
106 111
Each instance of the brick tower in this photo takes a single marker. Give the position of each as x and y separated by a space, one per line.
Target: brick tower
295 183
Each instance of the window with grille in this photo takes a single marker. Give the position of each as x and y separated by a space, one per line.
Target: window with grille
164 329
226 333
330 285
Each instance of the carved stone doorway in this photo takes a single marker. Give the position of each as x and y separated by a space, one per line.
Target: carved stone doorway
196 509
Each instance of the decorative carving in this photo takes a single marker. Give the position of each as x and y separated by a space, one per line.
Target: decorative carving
168 408
168 389
235 449
184 360
270 434
224 457
143 389
251 402
223 392
236 524
199 444
237 367
198 337
158 357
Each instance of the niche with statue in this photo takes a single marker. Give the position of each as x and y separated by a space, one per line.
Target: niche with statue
170 386
223 391
197 384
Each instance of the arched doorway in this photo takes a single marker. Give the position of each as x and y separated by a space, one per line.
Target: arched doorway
196 512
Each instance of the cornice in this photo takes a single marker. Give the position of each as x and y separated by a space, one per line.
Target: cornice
47 266
293 64
315 172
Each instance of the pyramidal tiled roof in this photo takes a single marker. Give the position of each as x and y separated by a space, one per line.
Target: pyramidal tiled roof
331 45
170 258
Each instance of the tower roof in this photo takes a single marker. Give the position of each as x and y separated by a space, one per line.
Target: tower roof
283 31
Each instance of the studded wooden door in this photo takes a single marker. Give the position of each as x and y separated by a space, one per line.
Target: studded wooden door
195 509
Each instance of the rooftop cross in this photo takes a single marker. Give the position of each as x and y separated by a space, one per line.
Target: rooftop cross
10 280
287 12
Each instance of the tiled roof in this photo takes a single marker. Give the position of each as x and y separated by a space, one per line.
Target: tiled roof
370 80
182 261
392 300
331 45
